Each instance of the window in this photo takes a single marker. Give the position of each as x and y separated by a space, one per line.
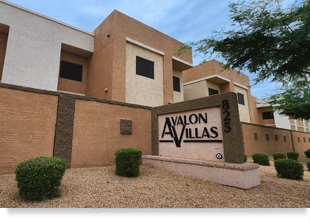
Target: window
276 137
298 139
240 98
176 84
267 115
71 71
304 139
255 136
144 67
284 138
267 137
213 91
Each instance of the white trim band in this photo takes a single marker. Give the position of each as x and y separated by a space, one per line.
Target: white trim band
206 78
144 46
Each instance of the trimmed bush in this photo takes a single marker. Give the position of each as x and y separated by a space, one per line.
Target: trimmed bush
292 155
278 155
40 177
261 159
308 165
290 169
245 157
307 153
127 161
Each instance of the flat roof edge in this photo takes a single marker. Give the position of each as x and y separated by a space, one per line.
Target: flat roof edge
45 17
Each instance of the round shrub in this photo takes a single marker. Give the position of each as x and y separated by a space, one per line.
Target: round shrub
127 161
278 155
292 155
245 157
290 169
40 177
261 159
308 165
307 153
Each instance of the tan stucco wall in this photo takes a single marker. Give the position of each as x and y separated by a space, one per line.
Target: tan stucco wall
139 89
3 42
27 127
178 96
71 85
110 53
195 90
34 46
252 146
301 146
212 86
244 111
97 135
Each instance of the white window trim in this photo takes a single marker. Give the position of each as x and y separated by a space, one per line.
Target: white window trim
241 86
144 46
206 78
182 61
72 93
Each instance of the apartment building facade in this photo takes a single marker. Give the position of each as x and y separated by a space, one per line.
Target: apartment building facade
122 59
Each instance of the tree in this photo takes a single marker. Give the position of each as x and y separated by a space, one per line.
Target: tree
269 40
293 100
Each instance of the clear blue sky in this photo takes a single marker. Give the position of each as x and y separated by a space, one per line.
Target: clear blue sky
184 20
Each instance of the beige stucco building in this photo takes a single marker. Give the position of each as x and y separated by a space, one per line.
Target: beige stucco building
122 59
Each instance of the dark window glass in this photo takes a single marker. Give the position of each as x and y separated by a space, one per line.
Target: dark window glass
267 115
298 139
267 137
144 67
71 71
284 138
176 84
276 137
240 98
255 136
304 139
213 91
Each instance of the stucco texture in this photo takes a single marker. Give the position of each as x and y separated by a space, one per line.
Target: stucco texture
97 134
27 127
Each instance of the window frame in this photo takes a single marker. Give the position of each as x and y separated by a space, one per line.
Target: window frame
212 91
74 76
176 84
240 100
144 67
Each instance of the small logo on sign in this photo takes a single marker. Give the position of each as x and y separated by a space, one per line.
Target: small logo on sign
219 156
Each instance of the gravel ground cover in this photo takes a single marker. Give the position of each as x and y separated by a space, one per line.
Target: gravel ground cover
99 187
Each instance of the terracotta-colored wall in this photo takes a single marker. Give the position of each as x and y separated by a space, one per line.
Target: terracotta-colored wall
214 68
72 85
100 71
97 135
252 146
27 127
254 113
107 67
3 42
304 141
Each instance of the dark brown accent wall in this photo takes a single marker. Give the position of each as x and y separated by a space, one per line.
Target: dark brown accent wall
64 128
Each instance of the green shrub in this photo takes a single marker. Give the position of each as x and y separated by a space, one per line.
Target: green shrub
307 153
292 155
40 177
278 155
245 157
127 161
290 169
308 165
261 159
